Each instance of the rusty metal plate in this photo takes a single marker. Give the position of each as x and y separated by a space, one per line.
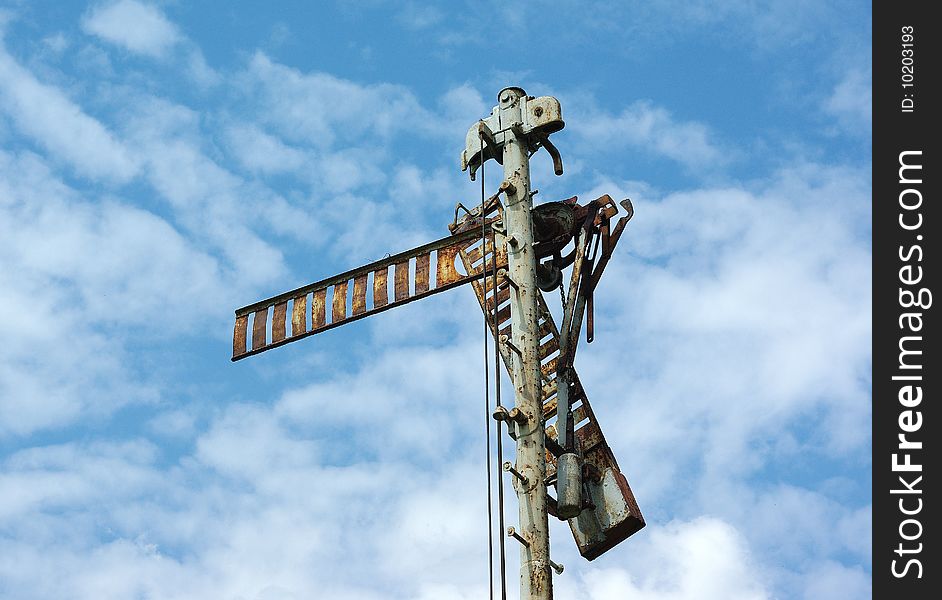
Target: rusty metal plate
278 324
259 328
338 311
446 272
401 281
238 334
422 273
359 293
380 288
319 309
615 518
298 316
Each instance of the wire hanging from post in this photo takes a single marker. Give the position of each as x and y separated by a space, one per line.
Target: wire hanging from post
487 402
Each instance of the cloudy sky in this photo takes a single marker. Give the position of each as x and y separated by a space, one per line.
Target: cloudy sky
162 163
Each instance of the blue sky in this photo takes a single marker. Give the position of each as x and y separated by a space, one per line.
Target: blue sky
162 163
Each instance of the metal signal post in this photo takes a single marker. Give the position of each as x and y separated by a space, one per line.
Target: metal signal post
535 579
499 247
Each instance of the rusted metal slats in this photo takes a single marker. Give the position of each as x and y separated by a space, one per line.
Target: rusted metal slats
298 316
401 281
338 310
445 272
319 310
278 321
351 297
380 288
359 294
238 335
422 273
259 328
473 255
503 294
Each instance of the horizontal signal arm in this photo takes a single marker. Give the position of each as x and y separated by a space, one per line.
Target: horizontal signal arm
358 293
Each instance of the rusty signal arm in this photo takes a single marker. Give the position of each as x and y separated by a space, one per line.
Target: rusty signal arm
380 285
355 294
616 515
408 276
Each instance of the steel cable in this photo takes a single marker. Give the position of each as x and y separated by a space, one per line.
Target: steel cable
487 399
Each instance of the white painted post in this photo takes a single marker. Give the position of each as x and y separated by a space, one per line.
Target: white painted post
535 578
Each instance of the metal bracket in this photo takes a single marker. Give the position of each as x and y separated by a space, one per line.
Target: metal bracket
538 118
514 415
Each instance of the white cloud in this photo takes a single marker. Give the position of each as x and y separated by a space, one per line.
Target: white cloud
410 419
120 264
795 530
318 109
649 128
46 115
199 71
462 106
703 559
56 43
851 100
772 25
216 206
244 516
834 580
261 152
138 27
419 16
174 423
246 442
67 474
750 311
83 280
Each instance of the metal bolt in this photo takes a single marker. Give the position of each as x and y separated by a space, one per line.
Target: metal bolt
557 567
507 187
511 532
510 468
